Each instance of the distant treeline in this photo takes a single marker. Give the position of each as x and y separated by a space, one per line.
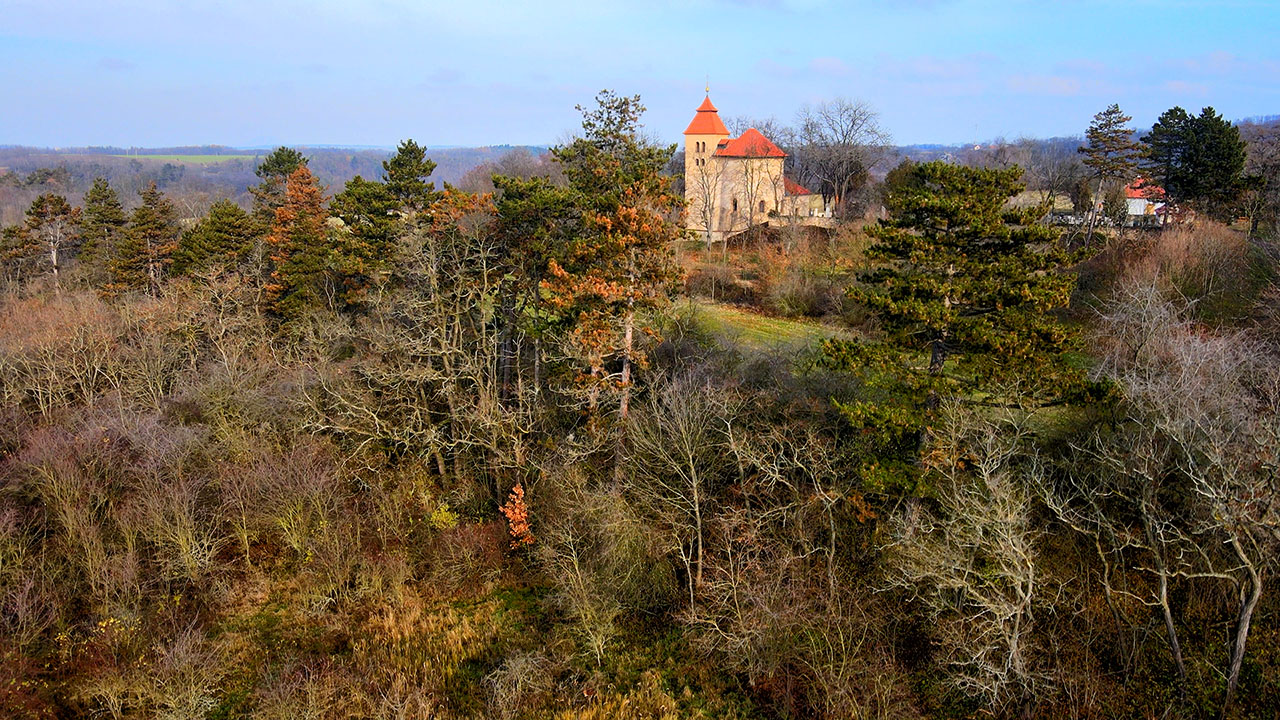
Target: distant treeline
27 172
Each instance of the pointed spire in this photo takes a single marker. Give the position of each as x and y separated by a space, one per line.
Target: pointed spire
707 121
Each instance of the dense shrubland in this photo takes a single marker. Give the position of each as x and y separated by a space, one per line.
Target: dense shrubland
413 452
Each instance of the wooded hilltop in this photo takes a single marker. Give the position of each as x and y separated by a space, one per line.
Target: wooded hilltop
1000 440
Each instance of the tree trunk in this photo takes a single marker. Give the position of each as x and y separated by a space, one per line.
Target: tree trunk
1175 647
53 259
624 403
1093 213
1247 606
697 523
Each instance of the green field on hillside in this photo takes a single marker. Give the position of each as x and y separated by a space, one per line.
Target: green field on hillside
192 159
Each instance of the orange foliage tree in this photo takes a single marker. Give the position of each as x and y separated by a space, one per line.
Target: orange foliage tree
620 263
306 265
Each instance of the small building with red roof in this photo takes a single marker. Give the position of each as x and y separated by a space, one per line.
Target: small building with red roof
734 183
1144 198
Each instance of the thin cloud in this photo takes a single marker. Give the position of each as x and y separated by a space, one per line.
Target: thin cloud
1058 85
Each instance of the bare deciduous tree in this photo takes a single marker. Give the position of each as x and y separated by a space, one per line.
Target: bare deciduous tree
677 444
1201 427
973 562
837 143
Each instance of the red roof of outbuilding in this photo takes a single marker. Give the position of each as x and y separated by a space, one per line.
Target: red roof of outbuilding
707 121
791 187
1143 189
750 144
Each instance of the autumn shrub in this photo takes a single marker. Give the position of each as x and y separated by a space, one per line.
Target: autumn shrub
1195 259
605 563
524 681
28 604
57 352
297 494
469 556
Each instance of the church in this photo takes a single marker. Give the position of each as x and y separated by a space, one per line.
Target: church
734 183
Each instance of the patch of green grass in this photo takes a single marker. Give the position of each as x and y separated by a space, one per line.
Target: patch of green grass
760 331
192 159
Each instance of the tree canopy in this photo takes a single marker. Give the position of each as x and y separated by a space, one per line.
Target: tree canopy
965 295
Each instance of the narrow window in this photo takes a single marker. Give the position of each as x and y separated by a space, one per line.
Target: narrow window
735 204
761 206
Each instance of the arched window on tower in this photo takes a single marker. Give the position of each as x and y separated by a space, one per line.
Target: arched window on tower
735 204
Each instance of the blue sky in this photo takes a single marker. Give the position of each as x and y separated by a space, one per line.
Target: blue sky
480 72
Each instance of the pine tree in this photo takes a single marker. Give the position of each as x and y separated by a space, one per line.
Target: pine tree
1110 153
274 170
375 214
965 302
537 221
222 238
1198 160
1165 153
372 220
16 253
1215 164
406 177
621 261
145 250
307 273
52 225
101 223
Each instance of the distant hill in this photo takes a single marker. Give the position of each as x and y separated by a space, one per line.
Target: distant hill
198 175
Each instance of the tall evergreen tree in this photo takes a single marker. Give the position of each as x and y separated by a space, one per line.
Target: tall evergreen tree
965 300
1110 154
406 177
15 254
52 225
1165 152
101 223
620 263
375 214
224 237
307 273
537 221
372 221
1215 164
274 170
145 250
1197 160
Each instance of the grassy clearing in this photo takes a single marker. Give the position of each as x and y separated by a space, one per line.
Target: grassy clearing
192 159
760 331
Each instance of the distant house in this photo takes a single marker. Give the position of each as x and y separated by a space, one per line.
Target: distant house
733 183
1144 199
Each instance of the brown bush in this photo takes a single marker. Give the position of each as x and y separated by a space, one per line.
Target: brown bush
1198 260
57 352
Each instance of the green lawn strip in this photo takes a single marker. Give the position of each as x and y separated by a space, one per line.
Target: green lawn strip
760 331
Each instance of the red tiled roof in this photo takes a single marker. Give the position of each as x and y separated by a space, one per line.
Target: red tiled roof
750 144
791 187
1141 189
707 121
